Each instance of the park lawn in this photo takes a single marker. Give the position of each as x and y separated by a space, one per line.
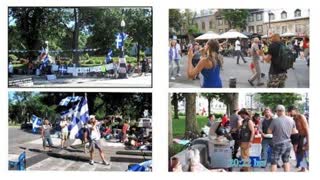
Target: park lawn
178 125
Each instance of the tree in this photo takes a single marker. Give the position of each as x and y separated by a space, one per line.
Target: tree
176 97
191 119
273 99
231 100
175 19
236 18
210 97
170 136
139 27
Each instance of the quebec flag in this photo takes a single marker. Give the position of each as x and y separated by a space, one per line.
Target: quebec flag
109 56
80 116
120 38
36 123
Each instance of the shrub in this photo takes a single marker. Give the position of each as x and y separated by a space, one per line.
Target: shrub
89 62
181 114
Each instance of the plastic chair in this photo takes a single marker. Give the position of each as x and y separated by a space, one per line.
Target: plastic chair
20 164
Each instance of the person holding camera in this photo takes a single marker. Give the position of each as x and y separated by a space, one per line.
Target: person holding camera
94 139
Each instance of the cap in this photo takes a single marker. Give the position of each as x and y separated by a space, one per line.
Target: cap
92 116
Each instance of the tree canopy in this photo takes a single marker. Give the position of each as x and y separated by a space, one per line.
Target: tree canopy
236 18
76 28
129 105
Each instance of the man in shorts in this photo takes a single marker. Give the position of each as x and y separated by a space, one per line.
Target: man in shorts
94 139
281 128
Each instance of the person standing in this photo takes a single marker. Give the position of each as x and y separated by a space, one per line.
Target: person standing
46 134
234 126
64 132
209 66
178 57
255 53
281 128
277 76
94 139
246 138
303 136
306 51
125 128
238 50
211 119
197 56
173 53
266 138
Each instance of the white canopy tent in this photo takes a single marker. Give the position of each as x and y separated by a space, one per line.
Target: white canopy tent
208 35
288 34
232 34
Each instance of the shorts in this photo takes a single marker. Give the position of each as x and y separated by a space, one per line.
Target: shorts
281 150
94 144
277 80
64 135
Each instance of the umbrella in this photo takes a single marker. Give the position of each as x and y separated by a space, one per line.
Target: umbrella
288 34
265 36
208 35
232 34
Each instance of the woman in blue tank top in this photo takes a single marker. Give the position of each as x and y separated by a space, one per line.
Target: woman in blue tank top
209 65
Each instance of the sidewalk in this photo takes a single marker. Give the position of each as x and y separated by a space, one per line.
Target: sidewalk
297 78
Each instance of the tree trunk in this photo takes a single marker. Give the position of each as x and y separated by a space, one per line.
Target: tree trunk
175 105
233 101
75 42
170 142
209 105
191 120
138 53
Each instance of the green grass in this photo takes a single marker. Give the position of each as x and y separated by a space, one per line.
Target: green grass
178 125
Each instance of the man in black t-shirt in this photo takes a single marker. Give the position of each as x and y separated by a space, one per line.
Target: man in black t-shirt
277 76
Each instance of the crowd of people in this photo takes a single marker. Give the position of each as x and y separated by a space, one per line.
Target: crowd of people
205 62
93 132
281 133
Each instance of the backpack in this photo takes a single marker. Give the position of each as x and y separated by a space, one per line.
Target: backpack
285 58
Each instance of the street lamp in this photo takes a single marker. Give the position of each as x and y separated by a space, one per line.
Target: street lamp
269 14
122 59
122 24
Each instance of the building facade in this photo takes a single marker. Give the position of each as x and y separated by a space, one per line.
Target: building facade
259 21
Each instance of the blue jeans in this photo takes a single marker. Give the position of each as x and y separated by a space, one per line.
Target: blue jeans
266 142
47 139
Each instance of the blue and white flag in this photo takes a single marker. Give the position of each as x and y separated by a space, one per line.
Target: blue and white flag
63 69
79 118
65 101
119 41
109 56
36 123
124 36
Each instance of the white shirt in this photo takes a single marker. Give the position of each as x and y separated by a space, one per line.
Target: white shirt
237 46
65 128
95 133
178 48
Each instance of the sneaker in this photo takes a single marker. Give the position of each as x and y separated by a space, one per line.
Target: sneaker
106 163
251 83
179 75
173 78
91 162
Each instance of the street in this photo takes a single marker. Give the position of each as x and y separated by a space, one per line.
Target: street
297 78
71 159
133 81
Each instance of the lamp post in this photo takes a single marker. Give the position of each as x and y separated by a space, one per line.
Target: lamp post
269 14
122 59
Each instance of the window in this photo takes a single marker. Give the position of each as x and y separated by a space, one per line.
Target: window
299 28
251 29
197 25
297 13
259 29
203 26
259 17
284 15
250 18
220 21
272 16
284 29
210 25
220 30
226 30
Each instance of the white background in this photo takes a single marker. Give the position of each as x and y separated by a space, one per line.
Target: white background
160 87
